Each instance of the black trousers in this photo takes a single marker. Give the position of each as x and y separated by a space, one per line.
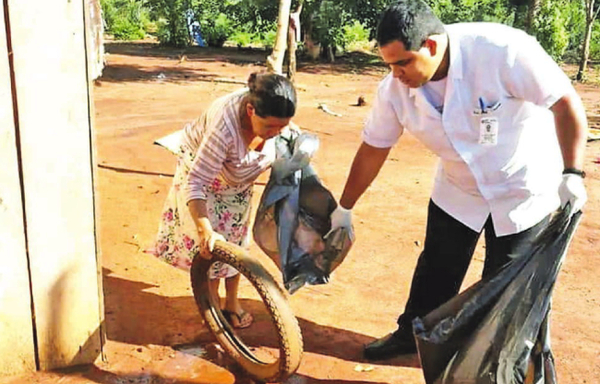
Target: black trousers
449 247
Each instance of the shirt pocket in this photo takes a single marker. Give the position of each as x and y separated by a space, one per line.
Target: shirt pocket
494 117
506 160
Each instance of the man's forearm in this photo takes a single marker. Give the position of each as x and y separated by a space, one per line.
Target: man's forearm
365 167
571 129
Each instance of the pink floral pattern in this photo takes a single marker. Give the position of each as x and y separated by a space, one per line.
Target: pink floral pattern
228 210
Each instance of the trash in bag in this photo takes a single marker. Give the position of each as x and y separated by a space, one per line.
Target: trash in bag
294 216
497 330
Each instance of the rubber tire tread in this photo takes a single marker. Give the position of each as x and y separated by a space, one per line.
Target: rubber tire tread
275 300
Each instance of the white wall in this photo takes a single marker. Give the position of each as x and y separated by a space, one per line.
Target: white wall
52 97
16 328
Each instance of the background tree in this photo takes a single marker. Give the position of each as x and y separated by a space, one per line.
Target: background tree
567 29
294 32
171 20
125 19
591 12
550 27
275 59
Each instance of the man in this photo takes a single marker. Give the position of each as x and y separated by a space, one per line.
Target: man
509 130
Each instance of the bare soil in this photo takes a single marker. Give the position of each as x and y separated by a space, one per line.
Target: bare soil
147 92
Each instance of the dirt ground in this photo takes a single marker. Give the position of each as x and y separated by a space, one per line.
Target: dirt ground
146 93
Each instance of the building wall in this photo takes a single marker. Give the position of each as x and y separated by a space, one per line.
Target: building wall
53 132
16 327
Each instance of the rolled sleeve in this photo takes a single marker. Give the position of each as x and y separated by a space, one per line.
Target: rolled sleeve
533 75
382 128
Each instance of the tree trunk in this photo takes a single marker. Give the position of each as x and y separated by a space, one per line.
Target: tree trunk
585 52
330 54
275 60
291 70
293 35
531 12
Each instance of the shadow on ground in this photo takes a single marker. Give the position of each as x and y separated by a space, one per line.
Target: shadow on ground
349 63
176 322
115 73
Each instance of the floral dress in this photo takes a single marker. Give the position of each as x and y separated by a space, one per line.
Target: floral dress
228 212
228 202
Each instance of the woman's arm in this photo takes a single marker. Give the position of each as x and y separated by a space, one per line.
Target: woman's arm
206 234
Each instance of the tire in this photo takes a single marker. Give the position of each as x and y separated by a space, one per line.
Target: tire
275 300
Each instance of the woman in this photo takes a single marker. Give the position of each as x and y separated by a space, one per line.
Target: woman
221 155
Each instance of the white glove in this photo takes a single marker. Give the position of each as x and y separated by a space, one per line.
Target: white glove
572 190
342 218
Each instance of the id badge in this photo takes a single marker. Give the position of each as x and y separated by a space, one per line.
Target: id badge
488 131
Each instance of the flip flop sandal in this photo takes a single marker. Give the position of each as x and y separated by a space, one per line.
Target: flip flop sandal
230 315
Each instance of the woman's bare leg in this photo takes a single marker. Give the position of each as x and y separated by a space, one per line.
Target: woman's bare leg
233 304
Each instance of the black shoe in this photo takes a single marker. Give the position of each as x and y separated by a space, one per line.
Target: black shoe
390 346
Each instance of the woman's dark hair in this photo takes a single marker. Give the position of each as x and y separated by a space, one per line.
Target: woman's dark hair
408 21
272 95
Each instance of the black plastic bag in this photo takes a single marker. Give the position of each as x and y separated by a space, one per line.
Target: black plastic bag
497 330
294 216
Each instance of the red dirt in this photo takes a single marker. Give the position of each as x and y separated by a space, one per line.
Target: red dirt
149 305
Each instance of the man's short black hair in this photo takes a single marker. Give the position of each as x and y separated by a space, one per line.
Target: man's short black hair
408 21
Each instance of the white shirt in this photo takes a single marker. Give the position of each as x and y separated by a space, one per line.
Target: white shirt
514 180
434 92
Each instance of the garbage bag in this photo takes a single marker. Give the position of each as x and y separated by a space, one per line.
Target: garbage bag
497 330
294 216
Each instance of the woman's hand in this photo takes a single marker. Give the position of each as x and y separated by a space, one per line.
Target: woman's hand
208 238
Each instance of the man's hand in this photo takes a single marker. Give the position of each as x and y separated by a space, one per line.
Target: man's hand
342 218
572 190
207 243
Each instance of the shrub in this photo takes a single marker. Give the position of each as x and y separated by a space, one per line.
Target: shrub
328 25
242 38
125 19
216 32
172 28
595 42
267 39
356 36
550 28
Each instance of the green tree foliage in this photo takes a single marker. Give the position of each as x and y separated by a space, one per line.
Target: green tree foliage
213 15
334 24
355 35
458 11
125 19
595 42
328 23
244 21
171 19
215 25
217 31
366 12
575 26
550 27
557 23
